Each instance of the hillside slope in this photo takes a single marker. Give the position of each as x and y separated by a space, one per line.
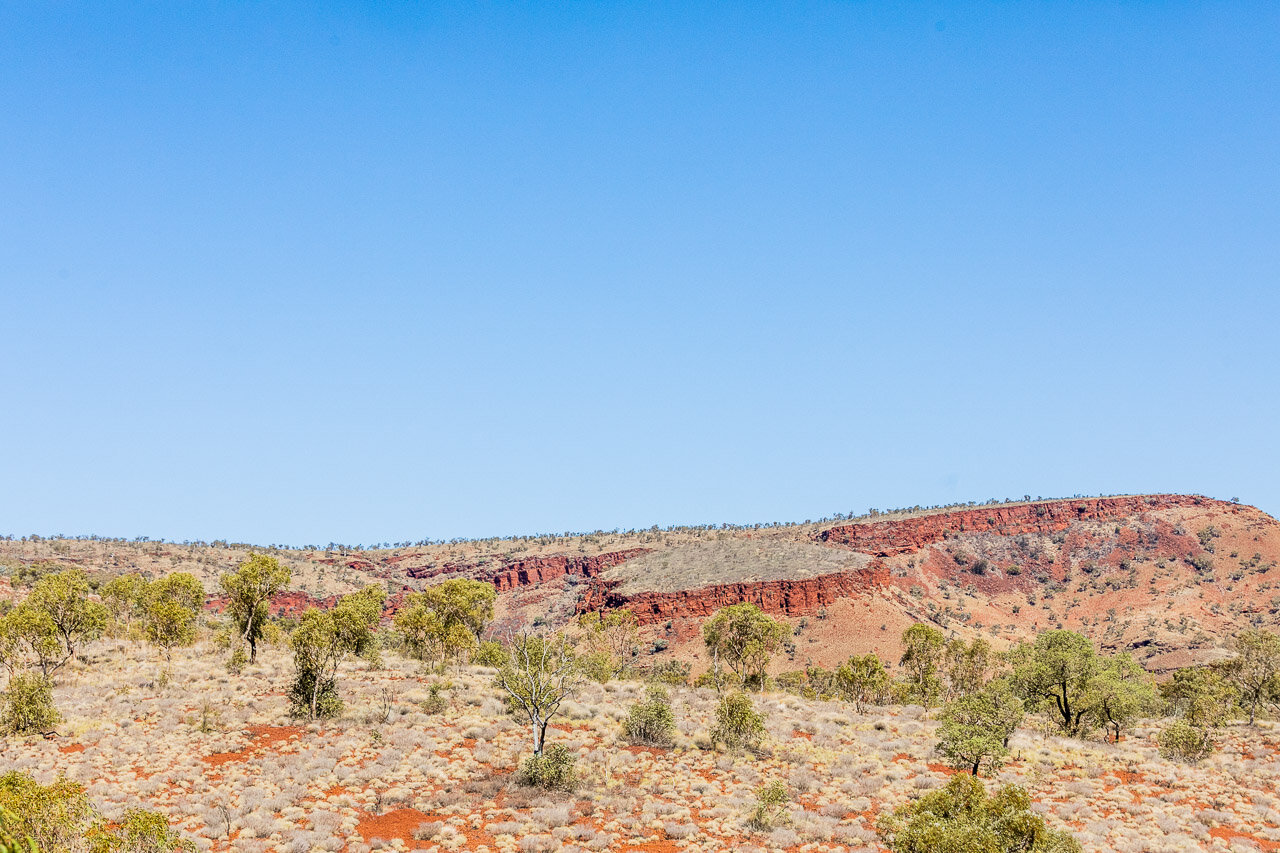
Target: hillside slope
1171 577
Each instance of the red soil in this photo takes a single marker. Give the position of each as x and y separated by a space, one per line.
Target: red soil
1230 835
398 823
261 739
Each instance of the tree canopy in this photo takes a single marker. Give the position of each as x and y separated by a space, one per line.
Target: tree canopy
923 650
322 640
249 589
445 621
976 727
744 638
170 608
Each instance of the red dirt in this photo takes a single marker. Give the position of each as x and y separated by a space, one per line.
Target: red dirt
261 739
71 747
1230 835
398 823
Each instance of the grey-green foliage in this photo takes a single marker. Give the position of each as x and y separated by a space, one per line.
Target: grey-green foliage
652 722
770 808
962 818
976 727
26 706
249 589
923 651
322 641
738 724
555 768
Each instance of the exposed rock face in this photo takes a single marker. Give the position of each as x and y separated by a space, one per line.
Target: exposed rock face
534 570
885 538
790 597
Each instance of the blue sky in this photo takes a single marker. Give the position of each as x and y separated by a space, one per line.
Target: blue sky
379 272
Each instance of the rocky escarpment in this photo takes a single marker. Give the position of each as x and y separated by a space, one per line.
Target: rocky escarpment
902 536
528 571
790 597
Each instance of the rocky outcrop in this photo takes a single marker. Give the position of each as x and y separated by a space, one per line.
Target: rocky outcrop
902 536
789 597
532 570
527 571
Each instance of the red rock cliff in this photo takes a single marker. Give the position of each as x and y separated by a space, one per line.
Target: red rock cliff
533 570
790 597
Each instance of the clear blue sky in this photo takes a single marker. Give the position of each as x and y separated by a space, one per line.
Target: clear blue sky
367 272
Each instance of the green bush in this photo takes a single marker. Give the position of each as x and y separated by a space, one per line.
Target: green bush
328 703
140 831
555 769
771 806
59 817
962 818
28 705
597 666
434 703
737 724
651 722
56 816
10 844
1182 741
238 661
491 653
793 681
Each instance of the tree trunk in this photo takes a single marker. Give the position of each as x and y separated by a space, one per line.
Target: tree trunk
539 734
249 638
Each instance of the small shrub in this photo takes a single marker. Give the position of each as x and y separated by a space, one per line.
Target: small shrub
597 666
555 769
737 723
673 672
140 831
1182 741
961 817
770 807
434 703
28 706
1202 563
651 722
328 703
238 660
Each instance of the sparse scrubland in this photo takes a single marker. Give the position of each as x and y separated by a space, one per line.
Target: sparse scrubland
134 718
220 756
